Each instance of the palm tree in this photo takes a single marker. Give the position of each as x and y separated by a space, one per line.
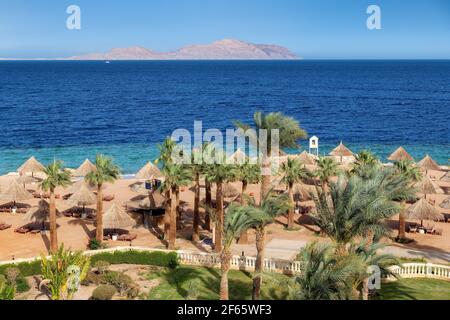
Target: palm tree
406 169
293 172
264 215
57 176
365 160
176 176
359 206
219 173
326 168
289 132
106 171
165 158
197 169
324 275
248 174
237 221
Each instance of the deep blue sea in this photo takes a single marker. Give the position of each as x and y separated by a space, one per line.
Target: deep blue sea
74 110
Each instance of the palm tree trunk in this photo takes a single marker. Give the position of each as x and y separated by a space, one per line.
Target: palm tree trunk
219 218
167 216
402 223
177 202
225 267
290 222
52 218
243 238
208 204
266 177
173 221
99 214
196 222
259 264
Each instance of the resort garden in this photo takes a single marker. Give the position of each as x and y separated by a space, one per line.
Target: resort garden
351 202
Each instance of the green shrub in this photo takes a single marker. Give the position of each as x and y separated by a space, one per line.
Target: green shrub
156 258
102 266
7 292
12 273
122 282
103 292
26 268
22 284
94 244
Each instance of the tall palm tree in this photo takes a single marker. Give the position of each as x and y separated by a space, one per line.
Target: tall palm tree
406 169
197 169
236 222
293 172
271 207
219 173
358 206
106 171
248 174
326 168
165 158
289 132
176 176
57 176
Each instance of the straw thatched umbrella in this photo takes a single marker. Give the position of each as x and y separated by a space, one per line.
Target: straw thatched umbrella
148 172
399 155
239 157
24 180
428 163
39 214
77 185
423 210
446 177
155 200
31 166
306 158
426 186
15 192
341 151
445 204
301 192
82 197
228 191
116 218
86 167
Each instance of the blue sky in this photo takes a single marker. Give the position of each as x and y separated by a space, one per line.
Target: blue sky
319 29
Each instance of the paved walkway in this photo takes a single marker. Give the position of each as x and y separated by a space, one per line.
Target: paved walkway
275 249
288 250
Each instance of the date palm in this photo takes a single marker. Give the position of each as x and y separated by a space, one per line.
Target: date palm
197 169
293 172
237 221
270 208
289 132
326 168
324 275
248 174
406 169
56 176
106 171
365 161
219 173
176 176
358 207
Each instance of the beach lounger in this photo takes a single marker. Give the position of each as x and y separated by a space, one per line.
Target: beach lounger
108 198
35 231
412 228
22 230
4 226
127 237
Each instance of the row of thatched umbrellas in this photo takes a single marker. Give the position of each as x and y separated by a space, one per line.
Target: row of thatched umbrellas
81 196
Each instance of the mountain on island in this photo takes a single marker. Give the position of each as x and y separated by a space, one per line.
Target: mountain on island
227 49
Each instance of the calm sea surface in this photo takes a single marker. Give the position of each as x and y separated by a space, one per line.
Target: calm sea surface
74 110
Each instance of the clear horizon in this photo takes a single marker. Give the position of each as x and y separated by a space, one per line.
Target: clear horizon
318 30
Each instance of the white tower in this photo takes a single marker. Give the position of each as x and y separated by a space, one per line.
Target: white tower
314 145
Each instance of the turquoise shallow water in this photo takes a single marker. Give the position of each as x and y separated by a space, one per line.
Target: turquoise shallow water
131 157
